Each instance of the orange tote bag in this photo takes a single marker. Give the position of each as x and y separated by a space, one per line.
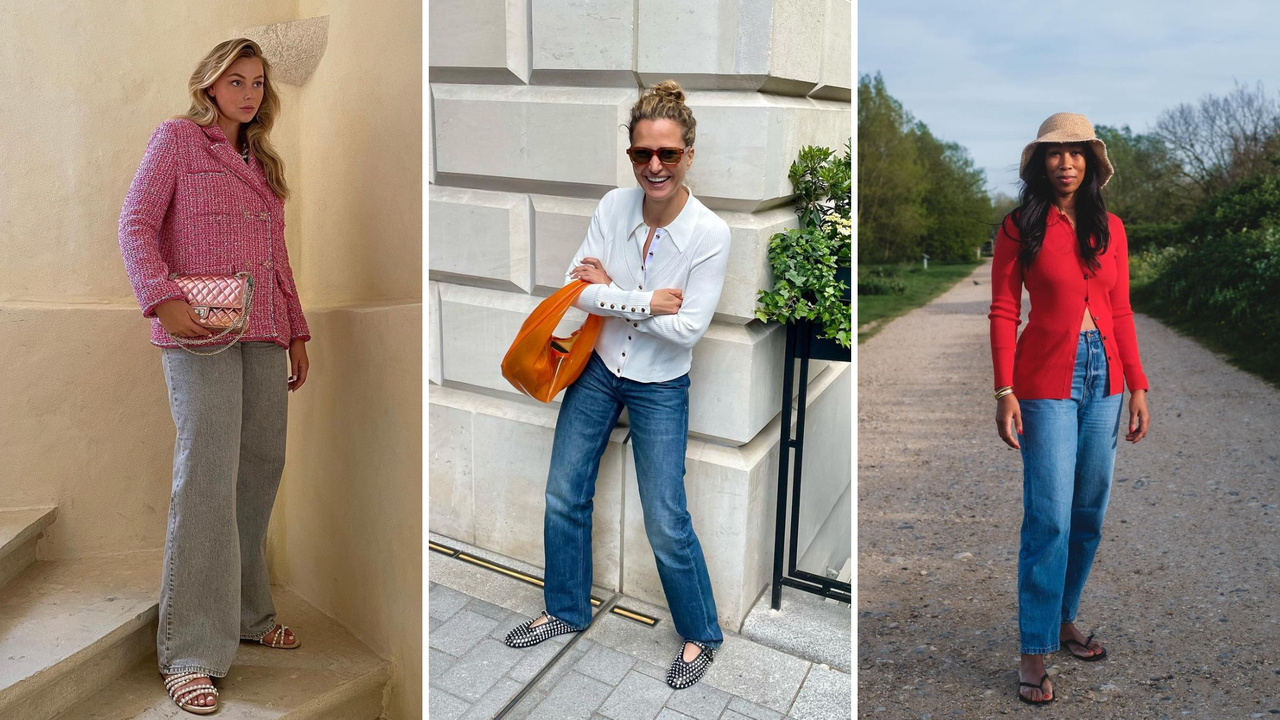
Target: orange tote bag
539 364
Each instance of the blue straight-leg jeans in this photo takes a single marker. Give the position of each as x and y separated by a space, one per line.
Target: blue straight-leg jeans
659 414
1068 453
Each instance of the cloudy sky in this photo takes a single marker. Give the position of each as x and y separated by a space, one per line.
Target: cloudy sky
985 74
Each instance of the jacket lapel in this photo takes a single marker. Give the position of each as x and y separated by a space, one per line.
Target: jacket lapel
221 149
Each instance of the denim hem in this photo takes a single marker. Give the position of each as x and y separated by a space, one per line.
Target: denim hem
264 633
713 644
1040 650
576 628
179 669
1069 622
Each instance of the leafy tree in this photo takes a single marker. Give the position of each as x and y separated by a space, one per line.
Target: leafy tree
891 177
1149 185
956 205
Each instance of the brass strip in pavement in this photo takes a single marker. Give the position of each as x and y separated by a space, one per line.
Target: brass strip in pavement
534 580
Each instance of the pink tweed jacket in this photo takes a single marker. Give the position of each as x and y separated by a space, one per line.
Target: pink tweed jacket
195 207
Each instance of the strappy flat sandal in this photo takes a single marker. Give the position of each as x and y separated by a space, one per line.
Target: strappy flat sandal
277 638
1039 686
183 699
1101 654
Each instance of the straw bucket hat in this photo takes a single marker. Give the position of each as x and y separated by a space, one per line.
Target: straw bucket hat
1069 128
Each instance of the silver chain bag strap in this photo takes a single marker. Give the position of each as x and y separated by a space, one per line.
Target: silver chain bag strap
222 302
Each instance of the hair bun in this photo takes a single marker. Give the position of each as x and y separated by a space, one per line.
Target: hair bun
669 90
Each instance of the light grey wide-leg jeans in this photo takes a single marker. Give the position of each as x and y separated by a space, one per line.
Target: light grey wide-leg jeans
231 412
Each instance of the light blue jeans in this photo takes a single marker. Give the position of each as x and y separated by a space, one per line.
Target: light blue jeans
659 414
1068 453
231 411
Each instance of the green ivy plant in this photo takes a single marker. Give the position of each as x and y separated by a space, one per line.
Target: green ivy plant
804 259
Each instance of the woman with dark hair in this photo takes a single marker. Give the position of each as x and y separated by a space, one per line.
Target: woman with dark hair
208 200
1059 386
655 258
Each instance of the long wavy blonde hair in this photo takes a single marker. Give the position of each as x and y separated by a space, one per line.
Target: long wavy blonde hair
257 131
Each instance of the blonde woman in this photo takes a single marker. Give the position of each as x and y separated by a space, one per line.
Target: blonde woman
208 199
655 258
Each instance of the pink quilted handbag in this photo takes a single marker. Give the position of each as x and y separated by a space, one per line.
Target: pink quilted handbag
222 302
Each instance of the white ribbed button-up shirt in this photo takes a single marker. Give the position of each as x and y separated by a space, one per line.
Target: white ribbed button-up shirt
633 342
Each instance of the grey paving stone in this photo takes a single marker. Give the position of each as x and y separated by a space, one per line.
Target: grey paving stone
461 633
438 664
669 714
507 622
562 668
487 609
605 664
750 710
657 645
808 626
651 670
637 697
443 602
824 696
535 658
477 671
701 702
487 707
526 705
445 706
731 715
574 697
759 674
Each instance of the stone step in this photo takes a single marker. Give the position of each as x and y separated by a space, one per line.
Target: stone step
332 675
68 626
19 531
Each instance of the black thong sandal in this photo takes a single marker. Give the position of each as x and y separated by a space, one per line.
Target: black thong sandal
1101 655
1039 686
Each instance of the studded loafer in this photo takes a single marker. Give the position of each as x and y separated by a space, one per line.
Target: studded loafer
684 674
525 635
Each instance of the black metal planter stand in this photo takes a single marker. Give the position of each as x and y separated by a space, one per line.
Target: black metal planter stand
802 346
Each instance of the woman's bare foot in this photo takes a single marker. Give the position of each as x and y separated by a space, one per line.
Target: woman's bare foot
1031 670
204 699
1068 631
540 621
286 638
690 651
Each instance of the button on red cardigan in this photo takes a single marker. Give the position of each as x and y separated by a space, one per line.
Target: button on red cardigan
1040 363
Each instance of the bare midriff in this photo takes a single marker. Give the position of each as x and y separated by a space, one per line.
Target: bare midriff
1086 323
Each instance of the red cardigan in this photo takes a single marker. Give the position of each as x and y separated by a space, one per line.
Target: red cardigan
1040 364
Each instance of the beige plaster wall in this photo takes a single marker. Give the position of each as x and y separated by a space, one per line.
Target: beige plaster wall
347 535
84 422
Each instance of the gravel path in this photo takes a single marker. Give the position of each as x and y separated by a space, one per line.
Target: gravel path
1185 590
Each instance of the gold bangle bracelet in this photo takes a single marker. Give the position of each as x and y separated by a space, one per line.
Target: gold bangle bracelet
1007 390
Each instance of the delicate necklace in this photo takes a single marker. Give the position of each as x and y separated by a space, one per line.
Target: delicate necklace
244 154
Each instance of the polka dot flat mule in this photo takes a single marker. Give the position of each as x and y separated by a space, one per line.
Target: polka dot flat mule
684 674
525 635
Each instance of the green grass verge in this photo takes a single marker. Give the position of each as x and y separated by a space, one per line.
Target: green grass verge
1241 349
922 286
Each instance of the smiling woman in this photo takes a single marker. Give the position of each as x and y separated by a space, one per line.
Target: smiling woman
657 235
